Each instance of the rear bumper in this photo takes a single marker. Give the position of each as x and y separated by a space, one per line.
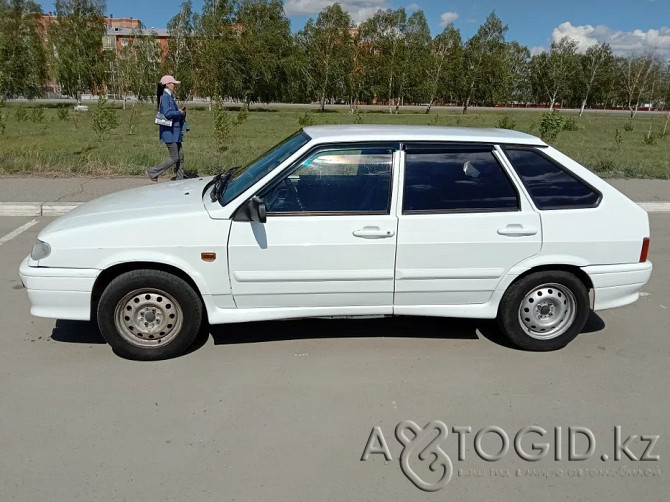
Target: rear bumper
59 293
617 285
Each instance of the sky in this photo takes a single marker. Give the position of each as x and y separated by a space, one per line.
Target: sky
629 26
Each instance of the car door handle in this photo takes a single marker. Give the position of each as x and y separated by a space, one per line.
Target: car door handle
516 230
373 233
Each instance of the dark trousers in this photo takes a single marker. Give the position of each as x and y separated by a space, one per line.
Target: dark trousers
176 159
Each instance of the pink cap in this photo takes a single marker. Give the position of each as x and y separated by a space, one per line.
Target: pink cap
169 79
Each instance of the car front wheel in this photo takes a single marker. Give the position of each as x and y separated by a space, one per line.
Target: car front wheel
149 315
544 310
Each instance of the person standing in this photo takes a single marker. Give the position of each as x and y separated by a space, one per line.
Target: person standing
170 135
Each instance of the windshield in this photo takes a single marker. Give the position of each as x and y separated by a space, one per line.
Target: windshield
263 165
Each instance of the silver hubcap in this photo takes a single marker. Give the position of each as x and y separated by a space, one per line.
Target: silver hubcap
148 318
547 311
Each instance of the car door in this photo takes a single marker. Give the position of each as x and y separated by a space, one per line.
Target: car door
462 225
330 236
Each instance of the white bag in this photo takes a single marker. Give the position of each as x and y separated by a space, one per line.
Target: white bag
161 120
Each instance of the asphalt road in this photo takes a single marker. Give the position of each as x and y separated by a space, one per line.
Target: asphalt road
202 103
283 410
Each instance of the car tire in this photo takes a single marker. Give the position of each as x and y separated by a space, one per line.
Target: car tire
544 310
149 315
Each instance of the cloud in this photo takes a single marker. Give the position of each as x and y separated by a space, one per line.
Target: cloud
622 42
448 18
360 10
412 7
534 51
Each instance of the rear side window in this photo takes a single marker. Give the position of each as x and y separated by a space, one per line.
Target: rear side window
451 180
550 185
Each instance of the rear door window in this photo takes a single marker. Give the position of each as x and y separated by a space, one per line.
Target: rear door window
451 179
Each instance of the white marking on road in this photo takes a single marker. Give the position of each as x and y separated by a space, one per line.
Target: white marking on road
16 232
655 207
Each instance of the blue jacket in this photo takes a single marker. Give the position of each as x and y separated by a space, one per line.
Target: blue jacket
169 108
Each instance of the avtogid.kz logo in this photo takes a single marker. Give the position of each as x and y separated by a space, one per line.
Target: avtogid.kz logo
422 448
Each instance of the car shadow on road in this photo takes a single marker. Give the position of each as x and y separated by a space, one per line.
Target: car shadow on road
266 331
76 332
399 327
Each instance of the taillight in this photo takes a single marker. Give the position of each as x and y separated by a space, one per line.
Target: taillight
645 250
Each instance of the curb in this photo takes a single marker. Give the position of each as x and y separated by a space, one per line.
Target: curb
37 208
60 208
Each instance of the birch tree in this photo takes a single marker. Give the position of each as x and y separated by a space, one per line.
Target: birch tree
23 68
554 72
481 53
179 60
445 53
327 46
77 38
594 63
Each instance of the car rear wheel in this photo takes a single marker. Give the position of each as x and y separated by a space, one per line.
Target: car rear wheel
149 315
544 310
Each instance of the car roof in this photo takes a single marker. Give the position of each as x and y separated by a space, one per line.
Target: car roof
360 132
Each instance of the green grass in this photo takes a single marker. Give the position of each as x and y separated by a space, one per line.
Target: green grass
70 148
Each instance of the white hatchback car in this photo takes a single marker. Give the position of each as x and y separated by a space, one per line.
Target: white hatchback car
350 221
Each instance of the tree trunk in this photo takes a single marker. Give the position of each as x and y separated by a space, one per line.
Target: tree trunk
581 110
552 102
323 102
389 95
665 125
465 105
430 105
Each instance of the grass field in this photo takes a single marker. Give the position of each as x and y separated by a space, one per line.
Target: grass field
67 147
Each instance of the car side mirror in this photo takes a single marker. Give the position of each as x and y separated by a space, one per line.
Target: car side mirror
256 209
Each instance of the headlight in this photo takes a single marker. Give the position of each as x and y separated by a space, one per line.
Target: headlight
40 250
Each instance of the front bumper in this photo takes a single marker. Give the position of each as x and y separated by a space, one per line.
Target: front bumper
58 293
618 285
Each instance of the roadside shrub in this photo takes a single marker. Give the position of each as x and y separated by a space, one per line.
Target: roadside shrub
306 119
241 117
630 172
604 166
3 122
63 113
506 122
550 125
223 125
76 117
628 125
133 118
649 137
21 113
37 115
618 138
103 119
570 125
358 117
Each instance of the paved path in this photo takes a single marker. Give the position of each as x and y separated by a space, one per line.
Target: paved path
33 196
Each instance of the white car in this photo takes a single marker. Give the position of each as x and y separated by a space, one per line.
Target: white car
350 221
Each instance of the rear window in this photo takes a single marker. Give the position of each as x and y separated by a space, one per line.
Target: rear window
550 185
